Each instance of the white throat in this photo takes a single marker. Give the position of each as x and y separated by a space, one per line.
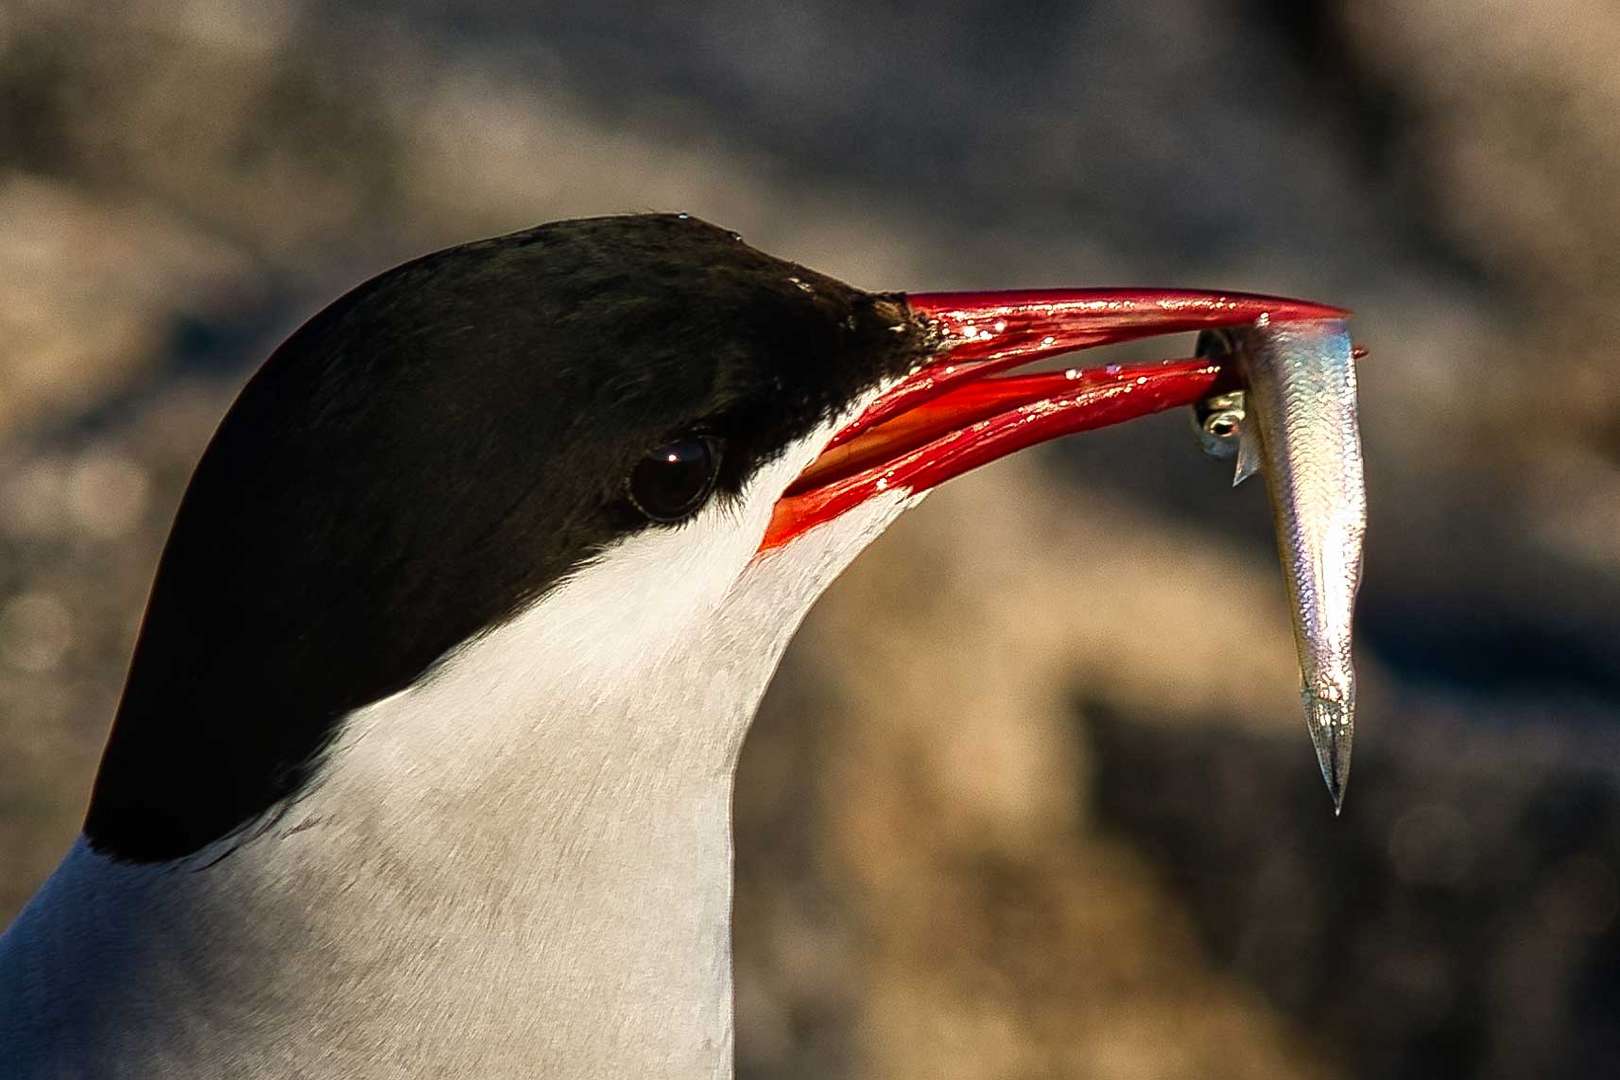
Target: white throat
518 866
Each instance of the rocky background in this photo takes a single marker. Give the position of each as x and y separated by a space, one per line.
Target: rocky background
1031 797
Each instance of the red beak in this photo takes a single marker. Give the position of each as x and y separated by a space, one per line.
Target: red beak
953 415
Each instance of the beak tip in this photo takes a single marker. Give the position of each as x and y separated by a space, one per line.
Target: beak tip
1313 310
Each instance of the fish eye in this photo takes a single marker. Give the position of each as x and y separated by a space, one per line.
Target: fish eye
672 481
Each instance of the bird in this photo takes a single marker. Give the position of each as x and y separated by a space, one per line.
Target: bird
423 765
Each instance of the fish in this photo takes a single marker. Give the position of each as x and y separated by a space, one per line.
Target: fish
1295 422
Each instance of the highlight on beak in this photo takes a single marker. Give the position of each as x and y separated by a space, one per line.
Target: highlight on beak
959 410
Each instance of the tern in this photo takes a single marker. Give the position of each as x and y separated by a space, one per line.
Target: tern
424 762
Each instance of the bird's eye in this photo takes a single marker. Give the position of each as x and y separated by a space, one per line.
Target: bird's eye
674 479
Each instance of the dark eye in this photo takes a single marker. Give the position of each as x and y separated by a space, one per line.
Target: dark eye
675 479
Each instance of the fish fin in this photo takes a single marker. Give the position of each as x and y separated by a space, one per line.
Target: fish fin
1248 455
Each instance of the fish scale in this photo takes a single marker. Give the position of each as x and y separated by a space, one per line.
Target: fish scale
1301 431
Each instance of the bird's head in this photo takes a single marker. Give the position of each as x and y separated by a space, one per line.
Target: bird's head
616 459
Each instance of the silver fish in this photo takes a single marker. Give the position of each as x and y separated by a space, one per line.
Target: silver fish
1298 426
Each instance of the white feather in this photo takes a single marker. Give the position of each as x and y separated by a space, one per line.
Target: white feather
518 866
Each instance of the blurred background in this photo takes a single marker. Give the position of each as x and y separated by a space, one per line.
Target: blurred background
1032 796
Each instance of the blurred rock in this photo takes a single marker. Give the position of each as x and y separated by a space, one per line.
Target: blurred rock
999 932
1460 918
89 291
1029 797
